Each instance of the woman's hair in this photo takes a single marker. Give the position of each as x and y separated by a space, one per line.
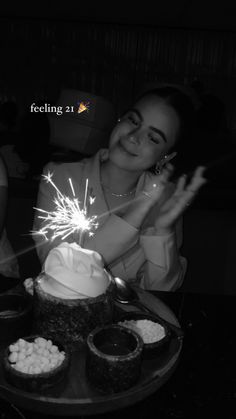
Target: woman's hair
181 103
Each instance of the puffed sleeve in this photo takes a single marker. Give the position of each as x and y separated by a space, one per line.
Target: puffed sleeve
164 268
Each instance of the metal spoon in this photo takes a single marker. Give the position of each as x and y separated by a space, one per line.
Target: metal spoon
123 293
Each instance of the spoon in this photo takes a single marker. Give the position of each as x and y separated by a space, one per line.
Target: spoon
125 294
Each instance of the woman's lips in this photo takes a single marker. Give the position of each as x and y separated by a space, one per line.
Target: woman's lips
124 149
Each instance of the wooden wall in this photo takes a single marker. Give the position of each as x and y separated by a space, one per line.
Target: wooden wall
39 57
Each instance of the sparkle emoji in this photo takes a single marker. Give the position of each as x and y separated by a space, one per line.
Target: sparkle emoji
83 106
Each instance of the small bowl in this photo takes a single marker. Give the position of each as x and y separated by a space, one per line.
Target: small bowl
16 312
35 382
114 355
154 349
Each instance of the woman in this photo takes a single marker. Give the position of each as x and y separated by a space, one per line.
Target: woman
138 234
8 262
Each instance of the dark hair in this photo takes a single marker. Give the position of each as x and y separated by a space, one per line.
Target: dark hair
8 113
181 103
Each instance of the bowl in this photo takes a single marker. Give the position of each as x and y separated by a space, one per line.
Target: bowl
34 382
114 355
70 320
15 316
156 348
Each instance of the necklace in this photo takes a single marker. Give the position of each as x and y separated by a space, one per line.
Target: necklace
118 195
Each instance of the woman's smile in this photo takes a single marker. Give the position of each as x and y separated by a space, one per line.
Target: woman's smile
126 149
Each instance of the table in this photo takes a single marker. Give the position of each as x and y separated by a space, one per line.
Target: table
204 382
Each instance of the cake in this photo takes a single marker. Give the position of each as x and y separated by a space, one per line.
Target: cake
72 295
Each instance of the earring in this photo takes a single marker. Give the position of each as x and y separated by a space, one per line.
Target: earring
157 169
159 165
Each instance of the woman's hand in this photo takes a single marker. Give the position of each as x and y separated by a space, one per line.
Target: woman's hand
174 206
155 189
170 201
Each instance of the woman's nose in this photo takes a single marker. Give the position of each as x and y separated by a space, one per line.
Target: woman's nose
135 138
132 138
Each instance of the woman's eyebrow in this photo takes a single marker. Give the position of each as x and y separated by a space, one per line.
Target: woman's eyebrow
158 131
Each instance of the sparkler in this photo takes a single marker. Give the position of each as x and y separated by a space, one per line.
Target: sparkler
67 218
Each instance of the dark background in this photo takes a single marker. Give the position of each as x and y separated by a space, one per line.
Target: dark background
114 50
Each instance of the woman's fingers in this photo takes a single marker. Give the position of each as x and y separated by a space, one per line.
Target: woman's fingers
180 185
188 194
195 184
179 201
183 195
197 180
192 188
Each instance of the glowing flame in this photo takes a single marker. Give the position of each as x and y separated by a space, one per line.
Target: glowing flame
67 218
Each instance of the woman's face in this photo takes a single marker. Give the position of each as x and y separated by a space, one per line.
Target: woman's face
144 135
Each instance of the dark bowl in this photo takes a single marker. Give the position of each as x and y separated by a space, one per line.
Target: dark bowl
70 320
35 382
16 311
150 350
114 355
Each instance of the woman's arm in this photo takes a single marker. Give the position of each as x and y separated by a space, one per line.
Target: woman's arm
161 203
118 234
164 268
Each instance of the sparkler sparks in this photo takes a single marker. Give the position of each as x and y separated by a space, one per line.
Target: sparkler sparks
67 218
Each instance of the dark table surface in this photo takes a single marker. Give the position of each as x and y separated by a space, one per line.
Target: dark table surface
204 383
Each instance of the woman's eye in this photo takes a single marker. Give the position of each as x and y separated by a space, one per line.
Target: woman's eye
153 139
133 120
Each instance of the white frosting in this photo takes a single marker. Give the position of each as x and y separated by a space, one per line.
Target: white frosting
74 272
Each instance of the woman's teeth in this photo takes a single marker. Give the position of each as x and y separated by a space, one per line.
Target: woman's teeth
126 151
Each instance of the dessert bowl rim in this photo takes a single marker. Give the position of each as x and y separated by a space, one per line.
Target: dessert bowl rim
91 345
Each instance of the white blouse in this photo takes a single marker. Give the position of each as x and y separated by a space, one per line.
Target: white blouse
141 256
